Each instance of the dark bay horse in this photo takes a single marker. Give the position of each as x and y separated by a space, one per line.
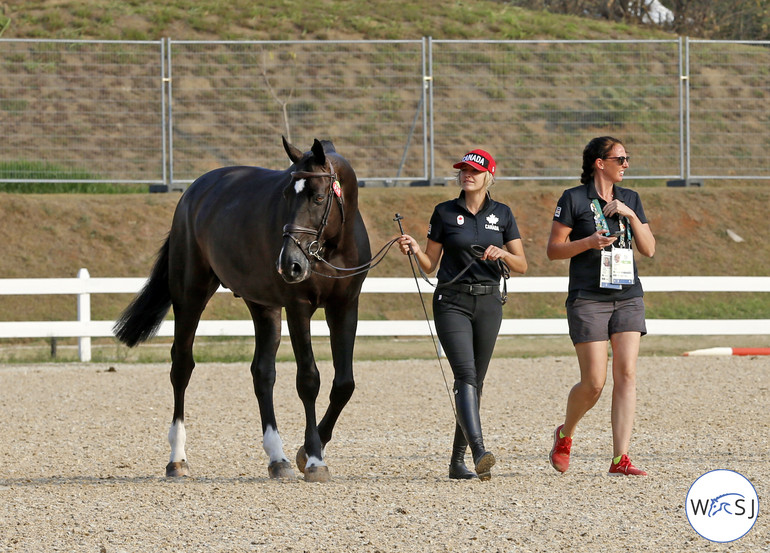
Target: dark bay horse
277 239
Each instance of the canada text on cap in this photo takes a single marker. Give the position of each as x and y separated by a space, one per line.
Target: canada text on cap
478 159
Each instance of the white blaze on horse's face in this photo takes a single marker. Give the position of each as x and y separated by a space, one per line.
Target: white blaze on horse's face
299 186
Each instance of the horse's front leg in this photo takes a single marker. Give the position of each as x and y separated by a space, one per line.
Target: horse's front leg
267 330
342 321
310 456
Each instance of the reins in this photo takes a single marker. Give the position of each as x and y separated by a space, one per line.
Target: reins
375 260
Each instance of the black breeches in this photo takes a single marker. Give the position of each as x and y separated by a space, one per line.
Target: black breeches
467 327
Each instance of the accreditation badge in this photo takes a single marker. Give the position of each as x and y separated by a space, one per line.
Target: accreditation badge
605 275
622 265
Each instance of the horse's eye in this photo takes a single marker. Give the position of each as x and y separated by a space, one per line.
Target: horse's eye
319 199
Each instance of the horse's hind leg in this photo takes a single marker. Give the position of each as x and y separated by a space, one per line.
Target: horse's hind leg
267 331
186 317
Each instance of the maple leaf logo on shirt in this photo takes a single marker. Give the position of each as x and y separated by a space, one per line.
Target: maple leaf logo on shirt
492 220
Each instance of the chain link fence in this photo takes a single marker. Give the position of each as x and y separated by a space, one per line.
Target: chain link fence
728 109
536 104
164 112
90 111
232 101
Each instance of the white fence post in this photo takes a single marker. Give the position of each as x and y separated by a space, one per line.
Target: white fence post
84 316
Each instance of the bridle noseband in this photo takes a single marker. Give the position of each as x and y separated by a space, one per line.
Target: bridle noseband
315 248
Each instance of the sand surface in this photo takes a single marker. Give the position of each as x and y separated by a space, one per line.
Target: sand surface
83 450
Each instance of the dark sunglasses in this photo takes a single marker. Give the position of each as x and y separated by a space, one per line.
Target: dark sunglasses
621 159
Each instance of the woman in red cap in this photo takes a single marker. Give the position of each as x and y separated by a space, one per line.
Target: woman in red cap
476 240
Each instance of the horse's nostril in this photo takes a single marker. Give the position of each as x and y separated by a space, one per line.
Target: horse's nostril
296 269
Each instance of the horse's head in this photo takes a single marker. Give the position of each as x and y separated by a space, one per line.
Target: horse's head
316 207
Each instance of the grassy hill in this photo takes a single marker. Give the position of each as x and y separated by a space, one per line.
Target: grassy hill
282 20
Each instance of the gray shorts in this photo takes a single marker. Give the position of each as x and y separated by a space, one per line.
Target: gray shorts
596 321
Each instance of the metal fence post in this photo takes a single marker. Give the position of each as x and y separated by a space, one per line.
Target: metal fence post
426 153
165 131
169 121
688 151
431 142
683 139
84 316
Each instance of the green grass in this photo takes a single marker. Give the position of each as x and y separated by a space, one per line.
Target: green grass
273 20
698 305
5 22
368 348
78 180
71 188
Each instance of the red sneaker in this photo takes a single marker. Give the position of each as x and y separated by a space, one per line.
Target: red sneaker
624 466
559 455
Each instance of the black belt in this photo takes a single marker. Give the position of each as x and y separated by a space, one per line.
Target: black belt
472 289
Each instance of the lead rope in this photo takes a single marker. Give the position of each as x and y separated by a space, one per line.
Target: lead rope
360 269
398 219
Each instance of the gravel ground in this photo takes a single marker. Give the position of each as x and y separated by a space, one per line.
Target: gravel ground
83 451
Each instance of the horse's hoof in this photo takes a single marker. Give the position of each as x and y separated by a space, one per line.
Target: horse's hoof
317 474
301 459
177 468
280 470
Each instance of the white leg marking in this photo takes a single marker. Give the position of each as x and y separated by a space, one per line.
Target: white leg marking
177 438
315 461
273 445
299 186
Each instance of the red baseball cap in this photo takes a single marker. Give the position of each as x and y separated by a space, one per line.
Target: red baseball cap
478 159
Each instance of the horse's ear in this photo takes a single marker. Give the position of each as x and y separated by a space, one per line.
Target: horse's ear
318 152
294 154
328 147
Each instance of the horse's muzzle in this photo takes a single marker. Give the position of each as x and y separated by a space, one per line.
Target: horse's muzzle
292 264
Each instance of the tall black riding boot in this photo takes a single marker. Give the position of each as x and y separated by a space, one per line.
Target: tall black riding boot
457 468
467 403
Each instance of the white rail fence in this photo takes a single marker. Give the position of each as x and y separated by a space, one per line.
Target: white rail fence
84 328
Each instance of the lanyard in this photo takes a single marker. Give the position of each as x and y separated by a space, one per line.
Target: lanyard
601 224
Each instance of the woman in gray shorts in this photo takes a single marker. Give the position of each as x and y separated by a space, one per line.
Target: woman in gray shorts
593 226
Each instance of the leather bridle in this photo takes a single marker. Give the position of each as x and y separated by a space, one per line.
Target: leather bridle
315 248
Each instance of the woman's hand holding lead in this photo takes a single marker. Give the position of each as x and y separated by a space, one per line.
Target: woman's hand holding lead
408 245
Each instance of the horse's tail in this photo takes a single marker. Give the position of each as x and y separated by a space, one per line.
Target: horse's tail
143 316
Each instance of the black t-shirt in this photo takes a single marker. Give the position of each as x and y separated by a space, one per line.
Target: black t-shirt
574 211
456 229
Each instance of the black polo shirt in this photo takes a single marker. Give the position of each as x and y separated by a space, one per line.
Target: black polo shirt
456 229
574 211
